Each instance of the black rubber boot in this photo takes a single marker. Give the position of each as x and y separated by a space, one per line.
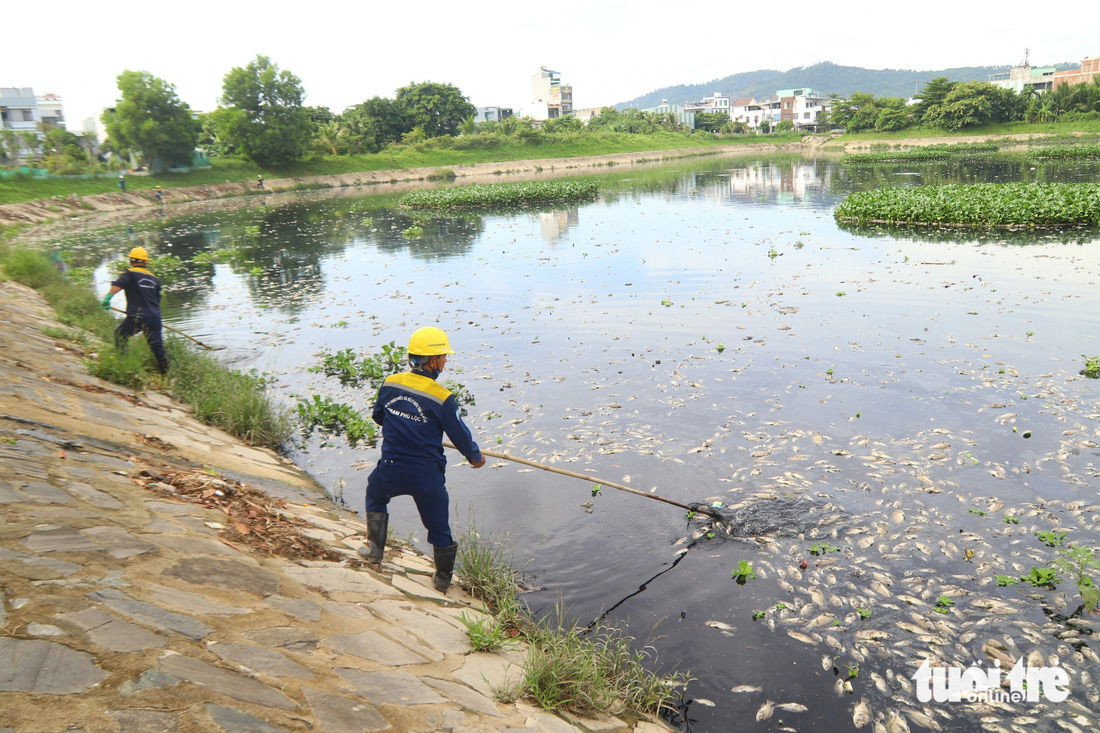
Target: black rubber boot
444 566
377 526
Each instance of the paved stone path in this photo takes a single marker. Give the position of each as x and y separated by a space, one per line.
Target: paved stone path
123 610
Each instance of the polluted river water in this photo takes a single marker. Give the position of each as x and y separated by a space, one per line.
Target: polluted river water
889 416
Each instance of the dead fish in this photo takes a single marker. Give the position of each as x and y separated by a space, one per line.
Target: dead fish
704 701
861 716
765 711
896 723
723 627
792 707
800 637
745 689
923 720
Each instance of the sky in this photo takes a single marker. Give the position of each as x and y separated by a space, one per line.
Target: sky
610 51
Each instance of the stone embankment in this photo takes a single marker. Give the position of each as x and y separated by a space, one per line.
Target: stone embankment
31 212
140 593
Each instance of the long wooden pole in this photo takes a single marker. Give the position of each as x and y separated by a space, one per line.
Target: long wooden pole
701 508
176 330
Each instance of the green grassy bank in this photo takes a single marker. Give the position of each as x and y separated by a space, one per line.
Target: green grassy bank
437 152
225 398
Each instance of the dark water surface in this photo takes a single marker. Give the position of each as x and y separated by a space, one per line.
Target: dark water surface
708 332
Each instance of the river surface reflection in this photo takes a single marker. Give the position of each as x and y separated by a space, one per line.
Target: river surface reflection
708 332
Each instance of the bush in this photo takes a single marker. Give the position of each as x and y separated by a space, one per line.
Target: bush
31 268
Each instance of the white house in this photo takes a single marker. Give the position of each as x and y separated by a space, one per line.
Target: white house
717 103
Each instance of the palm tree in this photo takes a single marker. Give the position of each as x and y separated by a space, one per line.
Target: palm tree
329 138
508 126
552 124
468 126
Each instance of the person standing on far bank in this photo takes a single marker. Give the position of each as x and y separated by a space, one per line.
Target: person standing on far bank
142 306
414 412
122 182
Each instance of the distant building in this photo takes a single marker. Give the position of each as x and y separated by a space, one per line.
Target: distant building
1025 76
802 107
23 112
746 110
19 109
584 114
1090 69
679 113
50 111
550 99
492 114
717 103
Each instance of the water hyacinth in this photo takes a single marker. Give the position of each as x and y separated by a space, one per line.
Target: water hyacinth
1068 152
501 195
977 206
928 152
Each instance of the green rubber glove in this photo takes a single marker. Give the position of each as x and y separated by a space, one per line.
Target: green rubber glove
106 302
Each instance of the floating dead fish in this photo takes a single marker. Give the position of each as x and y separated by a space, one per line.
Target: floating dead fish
801 637
861 715
704 701
723 627
745 689
792 707
765 711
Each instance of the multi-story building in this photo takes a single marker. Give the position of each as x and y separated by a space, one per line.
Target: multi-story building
550 98
802 107
1090 69
50 111
1025 76
717 103
19 109
747 110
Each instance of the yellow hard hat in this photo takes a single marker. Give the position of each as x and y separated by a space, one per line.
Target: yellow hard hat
139 253
429 341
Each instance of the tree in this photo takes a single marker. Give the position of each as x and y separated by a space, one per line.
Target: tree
710 121
975 103
932 96
269 124
381 121
150 120
438 109
785 126
64 153
330 138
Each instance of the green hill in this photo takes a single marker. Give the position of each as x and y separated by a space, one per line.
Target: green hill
824 78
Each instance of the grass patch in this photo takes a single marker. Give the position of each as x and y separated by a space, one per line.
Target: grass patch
983 205
584 670
234 401
499 195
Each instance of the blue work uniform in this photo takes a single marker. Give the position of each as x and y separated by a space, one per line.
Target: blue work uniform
414 412
142 312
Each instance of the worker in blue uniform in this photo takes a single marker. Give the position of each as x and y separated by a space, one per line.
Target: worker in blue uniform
142 306
414 412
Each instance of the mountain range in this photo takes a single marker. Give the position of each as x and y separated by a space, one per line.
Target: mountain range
823 78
